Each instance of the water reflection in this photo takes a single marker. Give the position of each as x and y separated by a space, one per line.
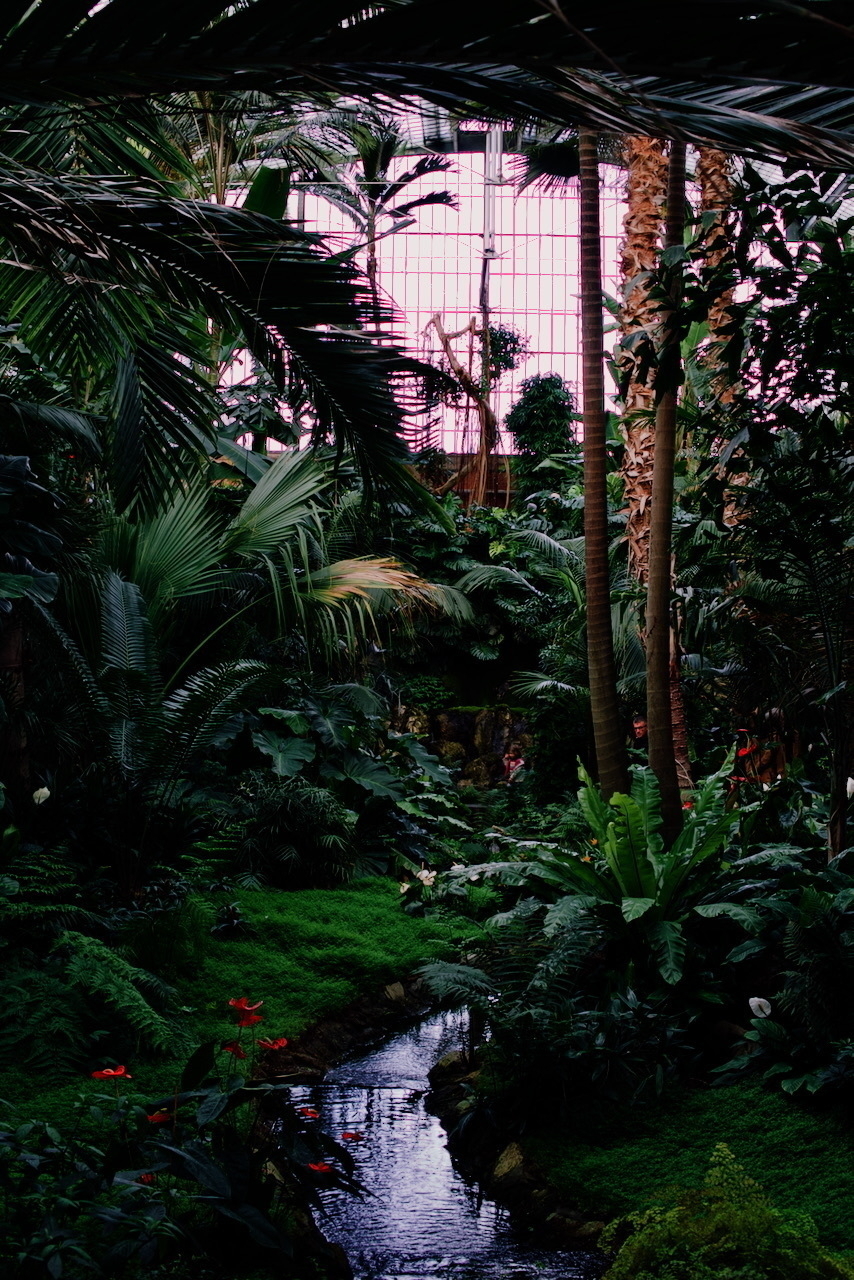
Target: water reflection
422 1219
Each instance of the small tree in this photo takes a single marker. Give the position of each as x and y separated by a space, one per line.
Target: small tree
540 421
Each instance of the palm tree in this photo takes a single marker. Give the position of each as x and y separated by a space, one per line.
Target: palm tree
646 193
658 622
610 745
361 184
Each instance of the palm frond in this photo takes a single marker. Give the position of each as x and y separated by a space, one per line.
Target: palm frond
279 502
192 714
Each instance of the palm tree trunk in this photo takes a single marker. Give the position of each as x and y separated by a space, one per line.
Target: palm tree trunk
658 613
714 183
607 730
646 194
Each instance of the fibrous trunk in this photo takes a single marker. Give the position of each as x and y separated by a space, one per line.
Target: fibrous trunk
646 194
607 730
658 602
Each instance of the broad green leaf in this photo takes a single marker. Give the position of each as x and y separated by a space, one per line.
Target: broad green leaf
626 848
632 908
199 1066
268 193
199 1165
287 755
668 943
212 1108
295 720
595 809
368 773
647 795
744 915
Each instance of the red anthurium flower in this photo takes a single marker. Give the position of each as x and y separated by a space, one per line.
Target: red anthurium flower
234 1047
147 1178
352 1135
321 1167
272 1044
689 804
310 1112
249 1020
160 1117
243 1004
111 1073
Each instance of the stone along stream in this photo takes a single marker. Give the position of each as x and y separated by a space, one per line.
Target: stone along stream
422 1219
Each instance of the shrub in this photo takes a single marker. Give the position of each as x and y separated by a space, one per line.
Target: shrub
728 1230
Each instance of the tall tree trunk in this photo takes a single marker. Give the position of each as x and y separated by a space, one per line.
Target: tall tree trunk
646 195
714 184
640 322
607 730
658 612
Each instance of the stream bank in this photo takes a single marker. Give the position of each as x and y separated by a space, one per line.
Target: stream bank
492 1156
423 1217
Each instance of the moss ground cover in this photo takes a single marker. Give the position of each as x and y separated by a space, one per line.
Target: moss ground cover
802 1157
311 953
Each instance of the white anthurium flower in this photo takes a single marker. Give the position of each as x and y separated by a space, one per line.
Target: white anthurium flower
404 885
41 795
426 877
849 788
759 1008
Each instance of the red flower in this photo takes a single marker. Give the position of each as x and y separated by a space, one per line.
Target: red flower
321 1167
249 1020
689 804
160 1117
310 1112
243 1004
111 1073
147 1178
351 1135
234 1047
272 1044
745 751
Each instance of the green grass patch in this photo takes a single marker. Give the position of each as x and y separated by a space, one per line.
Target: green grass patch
803 1157
312 953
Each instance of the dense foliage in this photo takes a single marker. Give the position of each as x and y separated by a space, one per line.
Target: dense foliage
247 658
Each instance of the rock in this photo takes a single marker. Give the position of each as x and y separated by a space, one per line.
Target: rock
485 770
451 1067
510 1170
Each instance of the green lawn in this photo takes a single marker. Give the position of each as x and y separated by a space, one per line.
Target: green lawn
312 953
804 1158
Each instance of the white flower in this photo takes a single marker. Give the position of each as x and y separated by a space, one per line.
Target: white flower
404 885
41 795
759 1008
426 877
850 788
458 866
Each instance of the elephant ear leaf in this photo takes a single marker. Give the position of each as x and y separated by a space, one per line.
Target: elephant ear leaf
668 943
287 755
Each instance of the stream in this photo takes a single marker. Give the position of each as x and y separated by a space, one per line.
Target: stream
423 1219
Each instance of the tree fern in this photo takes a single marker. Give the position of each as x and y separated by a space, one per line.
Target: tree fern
97 970
41 1018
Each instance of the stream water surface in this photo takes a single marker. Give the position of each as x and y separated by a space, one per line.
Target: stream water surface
421 1218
